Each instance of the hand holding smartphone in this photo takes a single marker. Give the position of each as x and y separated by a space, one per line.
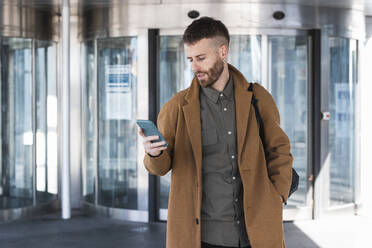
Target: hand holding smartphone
154 141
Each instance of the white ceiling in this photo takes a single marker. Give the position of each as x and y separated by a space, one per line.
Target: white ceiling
365 5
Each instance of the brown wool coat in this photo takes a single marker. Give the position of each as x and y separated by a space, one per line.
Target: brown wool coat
264 186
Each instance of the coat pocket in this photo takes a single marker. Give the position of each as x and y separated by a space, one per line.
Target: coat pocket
274 191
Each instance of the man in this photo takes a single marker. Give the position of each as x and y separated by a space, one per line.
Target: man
224 191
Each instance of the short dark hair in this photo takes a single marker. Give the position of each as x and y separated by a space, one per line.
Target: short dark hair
205 27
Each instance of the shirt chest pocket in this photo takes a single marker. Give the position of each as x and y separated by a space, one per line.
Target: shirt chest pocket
210 141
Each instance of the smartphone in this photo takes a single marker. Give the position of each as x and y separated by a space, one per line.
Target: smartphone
149 129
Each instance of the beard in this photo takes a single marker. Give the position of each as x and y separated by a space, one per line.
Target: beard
211 75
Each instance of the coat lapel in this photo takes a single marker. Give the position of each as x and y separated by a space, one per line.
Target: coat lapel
192 118
243 99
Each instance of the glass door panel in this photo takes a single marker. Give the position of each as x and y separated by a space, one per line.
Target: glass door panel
288 83
117 131
341 144
175 70
176 74
2 174
16 115
46 121
89 160
245 54
52 120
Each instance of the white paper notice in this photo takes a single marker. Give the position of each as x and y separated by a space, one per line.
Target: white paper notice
118 92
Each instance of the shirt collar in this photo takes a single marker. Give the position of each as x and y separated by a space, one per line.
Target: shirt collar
213 94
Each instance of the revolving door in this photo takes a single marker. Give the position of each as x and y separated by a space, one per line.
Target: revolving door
29 115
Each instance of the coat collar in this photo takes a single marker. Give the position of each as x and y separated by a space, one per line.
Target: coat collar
192 114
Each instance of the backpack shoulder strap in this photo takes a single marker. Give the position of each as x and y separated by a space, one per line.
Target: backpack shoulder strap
258 116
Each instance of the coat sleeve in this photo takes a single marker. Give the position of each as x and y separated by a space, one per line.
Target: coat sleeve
277 146
167 124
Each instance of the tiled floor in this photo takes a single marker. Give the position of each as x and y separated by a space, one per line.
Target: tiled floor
82 231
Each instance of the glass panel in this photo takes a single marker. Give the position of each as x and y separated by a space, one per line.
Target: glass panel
117 131
46 127
175 70
2 174
343 76
41 126
245 54
289 81
176 74
16 114
52 120
89 161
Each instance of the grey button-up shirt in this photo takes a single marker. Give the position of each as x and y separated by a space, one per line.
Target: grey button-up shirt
222 217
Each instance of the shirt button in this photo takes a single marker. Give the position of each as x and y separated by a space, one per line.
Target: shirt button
233 178
221 95
232 156
224 109
238 222
229 132
236 199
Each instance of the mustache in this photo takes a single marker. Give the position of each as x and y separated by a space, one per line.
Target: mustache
197 72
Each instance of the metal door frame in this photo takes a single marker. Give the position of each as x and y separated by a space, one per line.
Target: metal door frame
322 180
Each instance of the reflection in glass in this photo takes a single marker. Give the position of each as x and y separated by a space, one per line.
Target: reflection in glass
16 116
176 74
46 121
89 161
245 54
343 77
117 131
289 82
52 120
175 69
17 136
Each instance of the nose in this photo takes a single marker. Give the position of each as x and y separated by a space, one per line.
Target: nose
194 66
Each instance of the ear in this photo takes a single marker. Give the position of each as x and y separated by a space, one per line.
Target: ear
223 51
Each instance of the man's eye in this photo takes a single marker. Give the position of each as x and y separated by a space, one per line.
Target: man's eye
200 59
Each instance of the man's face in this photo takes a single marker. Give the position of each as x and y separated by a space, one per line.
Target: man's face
206 60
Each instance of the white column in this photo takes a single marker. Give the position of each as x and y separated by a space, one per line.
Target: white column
365 207
65 184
